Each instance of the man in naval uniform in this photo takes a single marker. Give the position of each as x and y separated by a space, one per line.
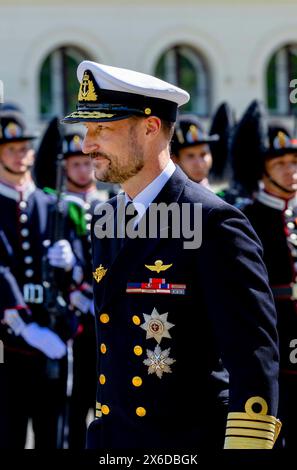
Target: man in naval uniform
172 319
190 148
32 351
82 196
273 215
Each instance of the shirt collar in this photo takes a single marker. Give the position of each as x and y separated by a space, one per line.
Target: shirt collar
274 201
151 191
17 193
89 196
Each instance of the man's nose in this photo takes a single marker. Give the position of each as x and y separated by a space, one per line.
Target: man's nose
199 162
292 167
89 145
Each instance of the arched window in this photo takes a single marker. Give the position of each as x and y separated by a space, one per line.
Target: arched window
58 86
184 67
281 69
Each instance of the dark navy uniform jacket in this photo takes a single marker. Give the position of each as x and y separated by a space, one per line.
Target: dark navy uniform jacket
223 318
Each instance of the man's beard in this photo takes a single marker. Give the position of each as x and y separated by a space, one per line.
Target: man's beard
117 173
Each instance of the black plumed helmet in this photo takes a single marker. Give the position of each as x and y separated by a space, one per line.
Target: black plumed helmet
13 127
222 124
72 145
280 141
189 131
248 145
45 167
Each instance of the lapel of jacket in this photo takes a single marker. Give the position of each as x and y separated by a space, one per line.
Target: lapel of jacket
132 253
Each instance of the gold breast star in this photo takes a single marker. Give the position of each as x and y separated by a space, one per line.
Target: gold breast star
156 325
158 266
99 273
158 361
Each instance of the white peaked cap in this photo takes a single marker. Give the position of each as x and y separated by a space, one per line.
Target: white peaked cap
109 93
128 81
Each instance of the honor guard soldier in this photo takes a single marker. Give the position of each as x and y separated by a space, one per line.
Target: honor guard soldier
190 148
32 350
273 215
82 193
167 312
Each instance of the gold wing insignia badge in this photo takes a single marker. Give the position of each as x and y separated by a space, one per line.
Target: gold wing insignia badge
99 273
158 266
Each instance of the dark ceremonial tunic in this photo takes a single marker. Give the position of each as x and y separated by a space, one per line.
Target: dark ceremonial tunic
274 220
31 384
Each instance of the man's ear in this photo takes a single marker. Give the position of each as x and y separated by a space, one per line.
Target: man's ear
31 156
153 125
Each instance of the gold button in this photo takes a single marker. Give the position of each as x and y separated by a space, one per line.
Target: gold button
136 320
105 409
147 111
138 350
140 411
103 348
104 318
137 381
102 379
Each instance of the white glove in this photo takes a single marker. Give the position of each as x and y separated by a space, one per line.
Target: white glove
36 336
45 340
80 301
14 321
60 255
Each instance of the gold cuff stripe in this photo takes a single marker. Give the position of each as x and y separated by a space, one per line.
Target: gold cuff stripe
247 443
89 114
259 434
254 417
252 430
98 405
250 424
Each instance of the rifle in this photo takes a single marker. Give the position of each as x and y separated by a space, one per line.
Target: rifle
50 164
54 301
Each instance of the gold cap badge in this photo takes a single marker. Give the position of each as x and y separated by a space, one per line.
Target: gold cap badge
87 89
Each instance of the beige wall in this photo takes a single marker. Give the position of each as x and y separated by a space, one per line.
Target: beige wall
235 37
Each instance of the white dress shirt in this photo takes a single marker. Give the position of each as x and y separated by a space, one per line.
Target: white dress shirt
151 191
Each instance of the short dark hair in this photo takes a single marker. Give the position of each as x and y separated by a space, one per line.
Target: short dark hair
168 128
